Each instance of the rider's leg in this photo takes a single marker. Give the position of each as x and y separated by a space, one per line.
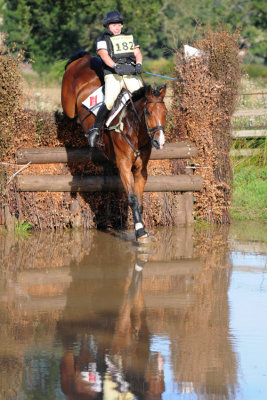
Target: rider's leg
132 83
113 86
93 133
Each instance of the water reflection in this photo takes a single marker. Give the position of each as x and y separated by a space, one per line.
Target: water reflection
93 316
104 327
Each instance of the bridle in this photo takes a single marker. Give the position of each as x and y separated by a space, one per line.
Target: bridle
152 131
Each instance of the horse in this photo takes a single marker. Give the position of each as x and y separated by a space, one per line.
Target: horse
128 145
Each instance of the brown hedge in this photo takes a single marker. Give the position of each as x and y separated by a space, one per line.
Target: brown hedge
205 95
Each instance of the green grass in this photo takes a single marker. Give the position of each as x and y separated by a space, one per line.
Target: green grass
250 193
255 70
23 226
23 229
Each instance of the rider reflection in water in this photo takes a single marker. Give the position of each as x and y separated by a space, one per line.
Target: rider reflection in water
109 356
122 61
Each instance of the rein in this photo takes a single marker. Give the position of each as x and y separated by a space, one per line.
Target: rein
117 128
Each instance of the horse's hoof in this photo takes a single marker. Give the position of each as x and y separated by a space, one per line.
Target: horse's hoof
143 239
141 234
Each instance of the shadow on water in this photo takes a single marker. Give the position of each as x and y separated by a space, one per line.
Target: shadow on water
90 315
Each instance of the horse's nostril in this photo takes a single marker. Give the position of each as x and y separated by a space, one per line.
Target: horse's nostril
155 144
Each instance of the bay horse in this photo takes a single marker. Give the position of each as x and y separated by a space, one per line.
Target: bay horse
129 143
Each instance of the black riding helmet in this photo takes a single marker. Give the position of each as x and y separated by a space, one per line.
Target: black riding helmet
112 17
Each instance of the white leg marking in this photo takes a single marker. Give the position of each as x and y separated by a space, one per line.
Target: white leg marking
138 268
139 225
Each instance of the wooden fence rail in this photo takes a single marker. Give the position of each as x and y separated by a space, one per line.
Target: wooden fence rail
244 152
85 154
69 183
249 133
250 112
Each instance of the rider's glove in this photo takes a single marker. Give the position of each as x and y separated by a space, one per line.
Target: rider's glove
138 68
118 69
124 69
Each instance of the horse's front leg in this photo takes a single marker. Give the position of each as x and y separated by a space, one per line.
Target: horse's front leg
133 201
139 227
140 178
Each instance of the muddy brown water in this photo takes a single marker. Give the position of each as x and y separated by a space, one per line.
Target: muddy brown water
92 315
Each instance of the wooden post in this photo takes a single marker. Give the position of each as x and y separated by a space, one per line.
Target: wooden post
189 201
69 183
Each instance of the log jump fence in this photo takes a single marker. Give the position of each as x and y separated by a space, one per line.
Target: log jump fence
87 183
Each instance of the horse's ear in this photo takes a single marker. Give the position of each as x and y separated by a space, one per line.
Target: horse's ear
148 90
163 91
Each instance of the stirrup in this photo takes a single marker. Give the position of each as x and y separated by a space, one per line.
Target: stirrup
92 136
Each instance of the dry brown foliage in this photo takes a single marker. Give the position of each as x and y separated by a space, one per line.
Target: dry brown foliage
10 103
205 95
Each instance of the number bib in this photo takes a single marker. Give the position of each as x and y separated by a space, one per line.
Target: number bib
122 45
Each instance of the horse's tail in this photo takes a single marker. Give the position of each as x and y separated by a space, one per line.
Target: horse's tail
79 54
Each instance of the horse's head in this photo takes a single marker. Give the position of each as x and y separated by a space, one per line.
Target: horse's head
155 115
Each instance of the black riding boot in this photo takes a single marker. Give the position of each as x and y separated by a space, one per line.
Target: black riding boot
94 132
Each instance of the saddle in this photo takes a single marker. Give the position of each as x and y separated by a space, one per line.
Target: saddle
96 99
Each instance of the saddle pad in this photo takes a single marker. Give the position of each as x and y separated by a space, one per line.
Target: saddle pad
96 99
124 98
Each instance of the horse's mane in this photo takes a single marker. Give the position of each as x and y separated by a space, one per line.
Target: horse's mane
141 93
156 91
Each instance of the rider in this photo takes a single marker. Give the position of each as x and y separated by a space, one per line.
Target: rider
122 61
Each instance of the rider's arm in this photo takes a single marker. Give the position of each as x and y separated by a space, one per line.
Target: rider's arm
106 58
138 55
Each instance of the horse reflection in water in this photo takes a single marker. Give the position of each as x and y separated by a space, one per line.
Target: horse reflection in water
138 128
105 333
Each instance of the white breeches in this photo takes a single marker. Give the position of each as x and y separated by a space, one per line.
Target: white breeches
114 84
